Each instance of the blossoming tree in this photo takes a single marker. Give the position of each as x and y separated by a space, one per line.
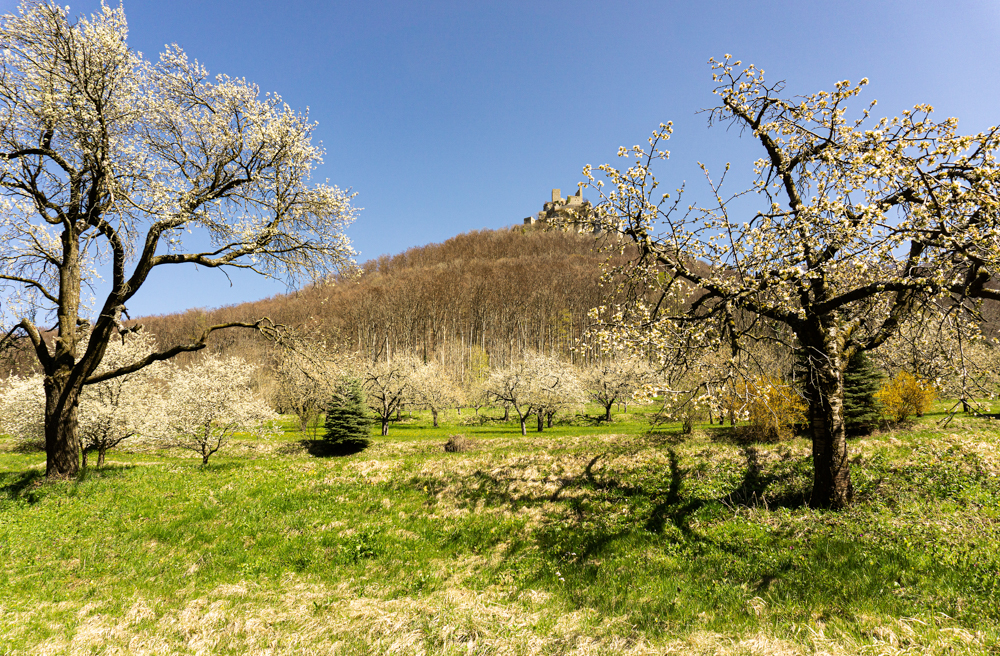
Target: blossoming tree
107 159
209 402
432 387
619 378
859 222
536 384
112 411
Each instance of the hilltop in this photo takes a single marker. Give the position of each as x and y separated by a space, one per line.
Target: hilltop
489 293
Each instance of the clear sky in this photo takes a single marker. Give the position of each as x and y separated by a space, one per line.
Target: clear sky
449 116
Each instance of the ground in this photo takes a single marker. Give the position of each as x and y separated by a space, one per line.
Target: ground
588 538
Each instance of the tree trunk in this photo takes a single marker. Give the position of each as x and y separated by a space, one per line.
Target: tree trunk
524 429
506 414
62 439
100 456
548 419
541 424
385 426
434 413
831 469
204 459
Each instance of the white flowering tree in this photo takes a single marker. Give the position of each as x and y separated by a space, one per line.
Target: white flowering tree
859 222
110 160
306 378
111 411
22 407
433 387
124 407
210 401
535 385
387 387
619 377
557 388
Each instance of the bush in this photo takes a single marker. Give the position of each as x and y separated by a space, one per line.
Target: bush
347 416
862 410
458 443
774 409
905 395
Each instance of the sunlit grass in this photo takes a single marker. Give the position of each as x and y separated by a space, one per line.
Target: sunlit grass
585 538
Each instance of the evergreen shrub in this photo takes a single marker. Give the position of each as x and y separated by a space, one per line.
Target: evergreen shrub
862 381
347 419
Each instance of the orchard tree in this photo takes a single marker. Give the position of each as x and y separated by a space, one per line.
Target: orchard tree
432 387
306 377
535 385
210 401
22 406
387 387
618 377
556 388
111 411
110 160
121 408
512 386
859 222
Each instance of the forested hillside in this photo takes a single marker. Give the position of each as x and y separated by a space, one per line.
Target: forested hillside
483 296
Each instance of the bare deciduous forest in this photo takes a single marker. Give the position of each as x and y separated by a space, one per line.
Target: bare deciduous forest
481 297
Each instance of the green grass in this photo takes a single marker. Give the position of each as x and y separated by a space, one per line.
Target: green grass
586 538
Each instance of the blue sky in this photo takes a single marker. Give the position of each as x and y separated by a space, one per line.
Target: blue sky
448 116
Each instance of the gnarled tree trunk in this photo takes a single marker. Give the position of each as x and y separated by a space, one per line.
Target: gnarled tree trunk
62 439
825 393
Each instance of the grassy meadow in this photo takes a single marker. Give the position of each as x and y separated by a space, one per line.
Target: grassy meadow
587 538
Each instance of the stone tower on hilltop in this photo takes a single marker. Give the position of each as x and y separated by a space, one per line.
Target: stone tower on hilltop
573 212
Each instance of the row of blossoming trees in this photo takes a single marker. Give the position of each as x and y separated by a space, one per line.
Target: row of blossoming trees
197 408
201 406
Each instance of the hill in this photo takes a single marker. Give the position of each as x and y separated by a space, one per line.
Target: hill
486 294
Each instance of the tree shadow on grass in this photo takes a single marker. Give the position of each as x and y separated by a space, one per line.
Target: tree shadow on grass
766 483
21 485
325 449
753 490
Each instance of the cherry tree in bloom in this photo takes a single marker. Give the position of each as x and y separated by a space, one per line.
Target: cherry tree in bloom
109 159
619 378
387 387
858 222
112 411
124 407
22 408
434 388
307 375
536 384
209 402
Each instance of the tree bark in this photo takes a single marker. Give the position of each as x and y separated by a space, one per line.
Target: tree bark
541 424
832 487
100 457
385 426
434 413
607 412
62 440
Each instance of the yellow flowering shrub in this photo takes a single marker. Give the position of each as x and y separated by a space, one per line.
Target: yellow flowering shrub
770 406
775 408
905 395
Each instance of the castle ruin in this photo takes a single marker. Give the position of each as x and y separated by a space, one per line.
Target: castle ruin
572 212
